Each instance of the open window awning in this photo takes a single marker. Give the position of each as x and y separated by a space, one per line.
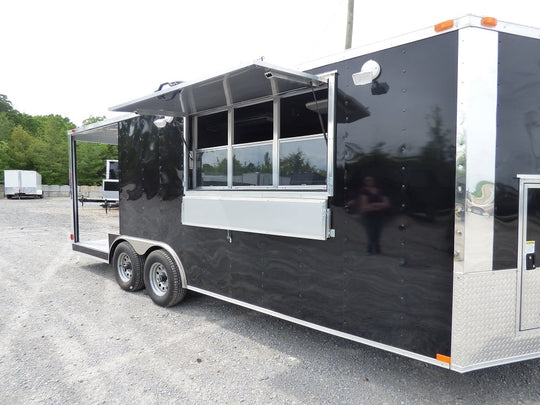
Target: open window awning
105 131
250 82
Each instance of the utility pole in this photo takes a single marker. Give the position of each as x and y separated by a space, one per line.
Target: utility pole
350 17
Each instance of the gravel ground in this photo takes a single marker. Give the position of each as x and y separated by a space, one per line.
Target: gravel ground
68 334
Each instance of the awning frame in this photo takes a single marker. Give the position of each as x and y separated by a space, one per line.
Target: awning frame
180 100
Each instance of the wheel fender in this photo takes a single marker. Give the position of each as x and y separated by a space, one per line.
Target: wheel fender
145 246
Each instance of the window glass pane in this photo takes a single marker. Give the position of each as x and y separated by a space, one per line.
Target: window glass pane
212 130
302 162
253 123
299 115
252 165
212 167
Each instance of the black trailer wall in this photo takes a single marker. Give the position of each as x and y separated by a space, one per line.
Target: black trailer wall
401 293
402 296
150 183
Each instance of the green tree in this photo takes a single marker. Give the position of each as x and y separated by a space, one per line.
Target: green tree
40 143
3 159
91 159
5 104
19 149
6 127
50 150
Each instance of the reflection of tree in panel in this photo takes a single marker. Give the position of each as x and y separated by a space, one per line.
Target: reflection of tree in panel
438 149
296 162
250 167
218 168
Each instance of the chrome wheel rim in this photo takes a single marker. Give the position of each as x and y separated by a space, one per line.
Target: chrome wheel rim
125 267
158 279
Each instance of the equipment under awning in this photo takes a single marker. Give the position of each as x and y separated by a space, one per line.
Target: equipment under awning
250 82
105 131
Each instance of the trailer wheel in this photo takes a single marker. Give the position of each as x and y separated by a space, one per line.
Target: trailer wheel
128 267
162 279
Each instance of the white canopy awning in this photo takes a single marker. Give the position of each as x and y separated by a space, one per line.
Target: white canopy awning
254 81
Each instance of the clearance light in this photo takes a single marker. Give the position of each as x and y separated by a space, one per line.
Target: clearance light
443 26
489 22
443 358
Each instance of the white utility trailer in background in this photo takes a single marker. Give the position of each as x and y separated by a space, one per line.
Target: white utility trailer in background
19 183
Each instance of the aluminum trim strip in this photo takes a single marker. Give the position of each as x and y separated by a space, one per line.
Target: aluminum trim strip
324 329
476 131
275 141
302 138
469 20
101 124
89 250
185 134
257 193
194 145
250 144
521 232
493 363
73 188
331 134
530 177
402 39
230 140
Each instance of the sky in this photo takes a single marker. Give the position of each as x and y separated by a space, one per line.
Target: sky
78 58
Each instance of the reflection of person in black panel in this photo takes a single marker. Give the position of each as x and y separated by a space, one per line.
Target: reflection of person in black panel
532 123
372 204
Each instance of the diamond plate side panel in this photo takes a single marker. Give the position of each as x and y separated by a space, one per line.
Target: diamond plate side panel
484 326
530 299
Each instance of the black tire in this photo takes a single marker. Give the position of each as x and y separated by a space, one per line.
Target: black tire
162 279
128 267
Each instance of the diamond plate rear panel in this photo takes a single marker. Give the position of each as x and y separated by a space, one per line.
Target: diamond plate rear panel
484 327
530 300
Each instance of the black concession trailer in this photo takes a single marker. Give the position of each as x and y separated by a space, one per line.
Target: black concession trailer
389 195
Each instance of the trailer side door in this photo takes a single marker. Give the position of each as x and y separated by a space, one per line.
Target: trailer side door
529 244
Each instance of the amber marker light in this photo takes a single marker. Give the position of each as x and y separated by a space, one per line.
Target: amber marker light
443 26
443 358
489 22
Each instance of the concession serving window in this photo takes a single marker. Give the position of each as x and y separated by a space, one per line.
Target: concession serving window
259 150
277 144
